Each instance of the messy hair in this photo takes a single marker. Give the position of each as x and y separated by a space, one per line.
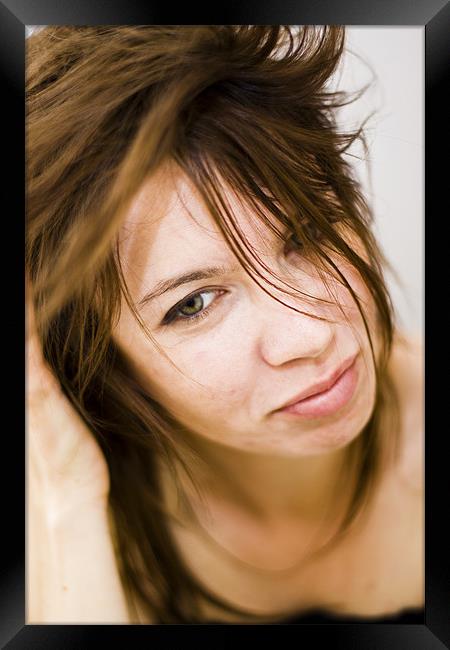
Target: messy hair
247 108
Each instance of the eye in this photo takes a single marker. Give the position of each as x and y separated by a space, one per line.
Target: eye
292 244
197 305
312 232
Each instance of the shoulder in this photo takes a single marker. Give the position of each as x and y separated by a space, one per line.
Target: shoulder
407 365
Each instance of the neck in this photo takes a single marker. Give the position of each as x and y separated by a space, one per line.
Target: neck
273 488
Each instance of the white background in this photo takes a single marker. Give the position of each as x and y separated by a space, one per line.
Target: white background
395 135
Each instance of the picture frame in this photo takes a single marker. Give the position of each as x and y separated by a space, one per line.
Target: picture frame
434 16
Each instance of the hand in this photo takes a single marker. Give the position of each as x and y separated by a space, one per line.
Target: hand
66 467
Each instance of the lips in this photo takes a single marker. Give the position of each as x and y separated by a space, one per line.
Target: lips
322 385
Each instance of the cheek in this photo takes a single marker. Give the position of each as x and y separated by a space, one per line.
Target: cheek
347 302
205 382
218 373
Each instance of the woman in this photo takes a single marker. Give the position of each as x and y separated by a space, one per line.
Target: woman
225 424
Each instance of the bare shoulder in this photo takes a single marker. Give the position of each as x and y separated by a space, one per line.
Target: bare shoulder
408 372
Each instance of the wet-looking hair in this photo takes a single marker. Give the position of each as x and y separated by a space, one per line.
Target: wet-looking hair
243 108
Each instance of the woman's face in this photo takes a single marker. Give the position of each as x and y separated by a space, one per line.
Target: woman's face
230 356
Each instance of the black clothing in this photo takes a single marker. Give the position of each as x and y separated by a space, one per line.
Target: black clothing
408 616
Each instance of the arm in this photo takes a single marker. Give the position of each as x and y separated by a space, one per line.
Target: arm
72 575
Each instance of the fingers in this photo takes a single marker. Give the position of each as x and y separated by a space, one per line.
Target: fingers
65 461
55 429
40 381
30 323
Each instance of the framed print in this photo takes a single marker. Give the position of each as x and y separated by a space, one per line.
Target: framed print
408 45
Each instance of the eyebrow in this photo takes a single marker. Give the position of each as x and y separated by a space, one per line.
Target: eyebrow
191 276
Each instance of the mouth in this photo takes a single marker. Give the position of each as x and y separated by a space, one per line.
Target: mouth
327 395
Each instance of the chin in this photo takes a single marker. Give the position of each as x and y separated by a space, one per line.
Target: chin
342 433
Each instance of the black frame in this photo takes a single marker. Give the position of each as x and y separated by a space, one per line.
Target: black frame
434 16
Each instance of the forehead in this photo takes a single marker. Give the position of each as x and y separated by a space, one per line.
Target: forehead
168 227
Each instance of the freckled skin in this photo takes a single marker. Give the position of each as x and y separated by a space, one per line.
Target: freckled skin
251 354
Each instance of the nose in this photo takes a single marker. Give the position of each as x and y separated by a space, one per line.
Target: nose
288 335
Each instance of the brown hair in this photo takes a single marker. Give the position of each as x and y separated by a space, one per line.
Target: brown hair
106 107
